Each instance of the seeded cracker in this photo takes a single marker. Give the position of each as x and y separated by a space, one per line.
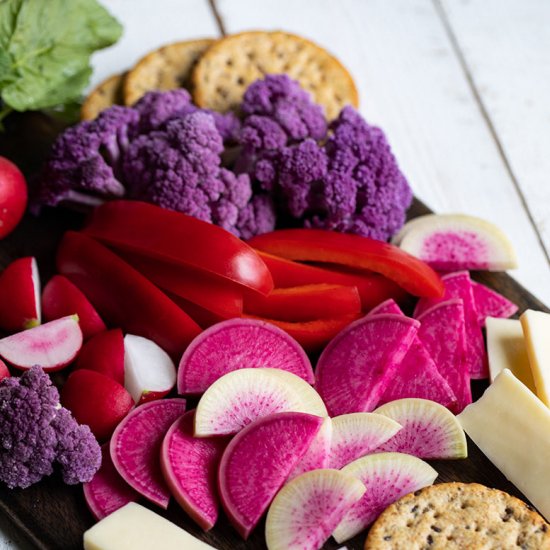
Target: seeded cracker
455 516
228 67
106 94
167 68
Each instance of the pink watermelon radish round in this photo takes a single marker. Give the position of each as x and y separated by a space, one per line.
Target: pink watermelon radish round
242 396
491 304
318 455
442 332
387 477
258 461
357 366
237 344
107 491
190 468
306 511
136 443
430 431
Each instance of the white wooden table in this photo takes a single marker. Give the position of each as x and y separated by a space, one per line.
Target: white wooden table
461 87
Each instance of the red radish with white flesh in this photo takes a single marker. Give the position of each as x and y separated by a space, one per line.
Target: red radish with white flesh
136 444
52 346
104 353
4 372
190 468
242 396
357 366
491 304
149 373
258 461
459 285
358 434
430 431
96 400
61 297
107 491
417 375
387 477
236 344
443 334
20 295
307 510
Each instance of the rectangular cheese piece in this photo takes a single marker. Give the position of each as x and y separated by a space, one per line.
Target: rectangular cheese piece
511 426
134 527
506 350
536 331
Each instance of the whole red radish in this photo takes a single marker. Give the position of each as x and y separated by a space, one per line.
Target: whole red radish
13 196
61 297
4 372
104 353
20 295
96 400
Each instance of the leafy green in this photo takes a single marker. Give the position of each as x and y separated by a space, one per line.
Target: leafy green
45 48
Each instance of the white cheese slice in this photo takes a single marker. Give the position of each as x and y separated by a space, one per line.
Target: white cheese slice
506 350
536 331
511 426
134 527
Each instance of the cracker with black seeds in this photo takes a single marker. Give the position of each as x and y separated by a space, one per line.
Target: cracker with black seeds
166 68
455 516
231 64
104 95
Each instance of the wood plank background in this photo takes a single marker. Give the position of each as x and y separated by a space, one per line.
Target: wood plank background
461 87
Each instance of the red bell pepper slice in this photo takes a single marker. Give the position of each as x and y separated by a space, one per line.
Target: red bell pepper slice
373 288
123 296
207 291
174 237
305 303
318 245
203 317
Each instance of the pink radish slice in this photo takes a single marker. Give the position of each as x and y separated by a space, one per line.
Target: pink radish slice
491 304
442 333
417 376
107 491
235 344
190 467
459 285
258 461
357 366
52 345
136 443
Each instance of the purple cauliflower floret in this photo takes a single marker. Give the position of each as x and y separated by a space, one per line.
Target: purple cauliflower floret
36 432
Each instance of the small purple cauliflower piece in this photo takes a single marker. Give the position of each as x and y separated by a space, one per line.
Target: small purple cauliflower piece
36 432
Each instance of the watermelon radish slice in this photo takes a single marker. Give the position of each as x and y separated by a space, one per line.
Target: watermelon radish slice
358 434
258 461
459 285
429 430
52 345
242 396
442 333
190 468
107 491
451 242
491 304
387 477
318 454
136 443
417 375
357 366
236 344
307 510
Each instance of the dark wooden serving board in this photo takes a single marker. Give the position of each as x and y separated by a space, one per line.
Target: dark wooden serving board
54 516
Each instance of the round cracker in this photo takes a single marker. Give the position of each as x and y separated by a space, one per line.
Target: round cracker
459 515
167 68
104 95
231 64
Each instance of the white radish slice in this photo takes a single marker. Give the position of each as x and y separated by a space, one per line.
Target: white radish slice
242 396
387 477
358 434
306 510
